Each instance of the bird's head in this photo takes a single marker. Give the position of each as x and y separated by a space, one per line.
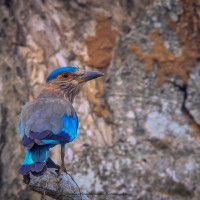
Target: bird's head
69 80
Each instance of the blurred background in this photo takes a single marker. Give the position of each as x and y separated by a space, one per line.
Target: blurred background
140 124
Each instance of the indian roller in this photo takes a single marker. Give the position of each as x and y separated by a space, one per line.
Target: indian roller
50 119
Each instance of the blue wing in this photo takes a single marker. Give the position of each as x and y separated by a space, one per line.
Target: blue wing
49 121
67 133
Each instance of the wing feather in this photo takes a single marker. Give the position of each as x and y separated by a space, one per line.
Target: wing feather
46 114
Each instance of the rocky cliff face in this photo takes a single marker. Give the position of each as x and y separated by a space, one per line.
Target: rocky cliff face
140 125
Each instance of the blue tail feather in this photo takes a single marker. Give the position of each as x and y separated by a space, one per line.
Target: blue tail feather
35 160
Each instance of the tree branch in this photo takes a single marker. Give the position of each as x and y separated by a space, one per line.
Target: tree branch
60 187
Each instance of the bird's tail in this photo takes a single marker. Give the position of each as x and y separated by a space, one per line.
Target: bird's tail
35 160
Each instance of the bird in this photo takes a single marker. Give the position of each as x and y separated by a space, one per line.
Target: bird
50 119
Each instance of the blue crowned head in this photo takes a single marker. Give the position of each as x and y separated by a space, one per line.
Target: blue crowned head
68 81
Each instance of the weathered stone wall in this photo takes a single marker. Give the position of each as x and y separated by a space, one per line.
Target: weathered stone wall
140 124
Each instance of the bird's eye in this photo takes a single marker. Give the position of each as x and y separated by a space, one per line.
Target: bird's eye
64 75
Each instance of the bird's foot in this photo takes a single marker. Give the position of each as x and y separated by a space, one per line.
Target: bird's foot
62 169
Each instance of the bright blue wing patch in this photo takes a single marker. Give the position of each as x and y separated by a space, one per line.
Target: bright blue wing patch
55 73
70 127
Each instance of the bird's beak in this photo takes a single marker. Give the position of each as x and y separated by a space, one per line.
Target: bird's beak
89 75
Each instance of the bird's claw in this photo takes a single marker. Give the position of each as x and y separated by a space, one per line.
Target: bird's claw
62 169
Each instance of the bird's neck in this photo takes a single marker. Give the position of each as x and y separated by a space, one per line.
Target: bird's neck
50 92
